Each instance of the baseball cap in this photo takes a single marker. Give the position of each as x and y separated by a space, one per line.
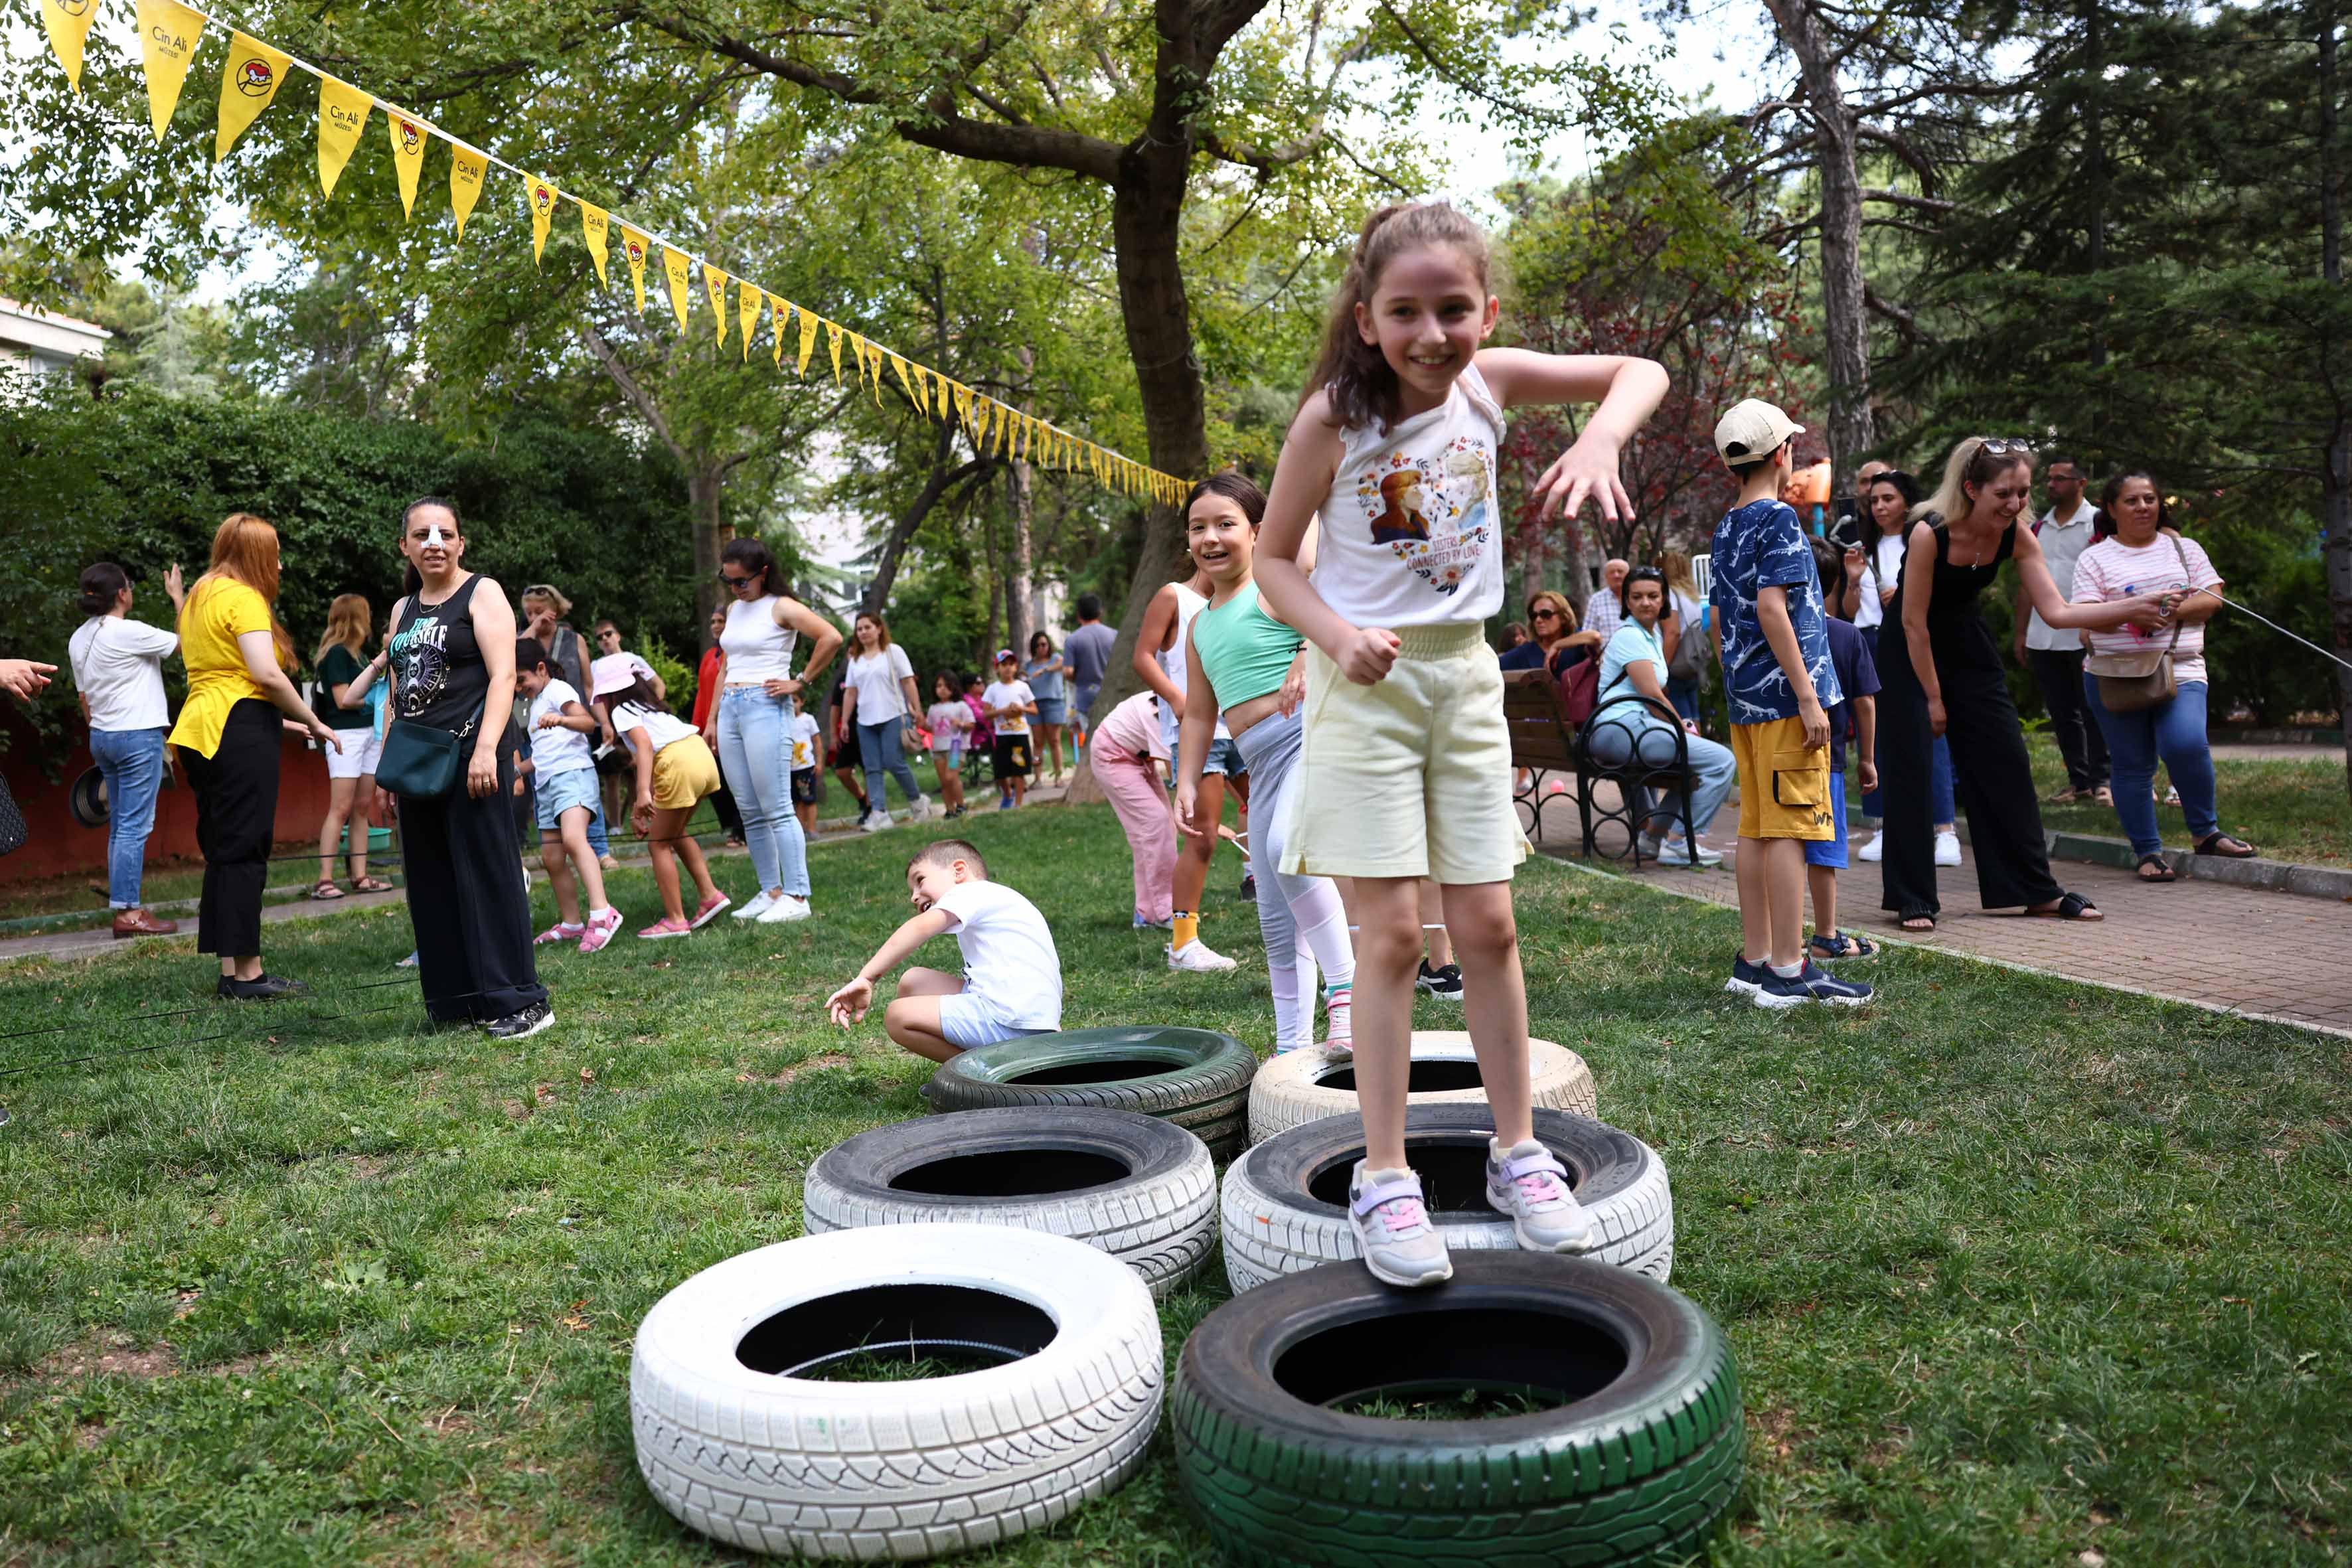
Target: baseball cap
611 673
1752 428
1003 654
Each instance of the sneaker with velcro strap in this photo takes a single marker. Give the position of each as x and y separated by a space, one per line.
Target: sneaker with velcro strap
1811 983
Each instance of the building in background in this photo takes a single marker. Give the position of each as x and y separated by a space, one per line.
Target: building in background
40 342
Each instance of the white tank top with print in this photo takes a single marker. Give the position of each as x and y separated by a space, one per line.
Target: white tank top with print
1172 661
1413 529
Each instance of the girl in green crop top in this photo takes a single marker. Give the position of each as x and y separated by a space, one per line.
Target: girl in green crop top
1251 666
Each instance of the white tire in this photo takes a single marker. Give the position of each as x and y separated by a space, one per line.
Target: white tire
1308 1084
1135 1186
1286 1201
737 1448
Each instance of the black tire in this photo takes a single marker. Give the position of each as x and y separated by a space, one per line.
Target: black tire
1134 1186
1285 1202
1640 1462
1194 1078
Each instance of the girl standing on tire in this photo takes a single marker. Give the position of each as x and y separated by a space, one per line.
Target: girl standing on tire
1249 667
1405 751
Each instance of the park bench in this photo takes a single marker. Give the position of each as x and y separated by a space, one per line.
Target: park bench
1545 742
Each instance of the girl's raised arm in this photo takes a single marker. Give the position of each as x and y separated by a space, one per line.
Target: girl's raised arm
1628 390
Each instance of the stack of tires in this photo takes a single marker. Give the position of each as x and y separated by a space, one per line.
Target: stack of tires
988 1274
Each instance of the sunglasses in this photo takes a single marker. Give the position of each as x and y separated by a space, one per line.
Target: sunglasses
2000 446
1546 614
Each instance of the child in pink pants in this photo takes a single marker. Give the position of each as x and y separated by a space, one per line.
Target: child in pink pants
1130 759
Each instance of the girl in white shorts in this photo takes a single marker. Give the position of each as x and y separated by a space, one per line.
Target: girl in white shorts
1405 756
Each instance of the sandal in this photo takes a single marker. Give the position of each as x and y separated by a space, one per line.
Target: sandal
370 885
2163 870
2104 795
1843 944
2069 906
1919 921
325 890
2225 846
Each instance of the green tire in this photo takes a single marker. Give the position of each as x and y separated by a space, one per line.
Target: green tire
1637 1465
1197 1078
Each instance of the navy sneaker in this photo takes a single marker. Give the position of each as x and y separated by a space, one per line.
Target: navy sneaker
1747 979
1812 983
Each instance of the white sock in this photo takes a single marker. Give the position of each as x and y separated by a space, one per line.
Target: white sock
1788 970
599 913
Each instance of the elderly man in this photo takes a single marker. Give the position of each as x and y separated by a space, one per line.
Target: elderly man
1603 614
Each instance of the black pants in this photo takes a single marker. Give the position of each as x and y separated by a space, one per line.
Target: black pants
729 818
1991 776
467 901
237 804
2058 673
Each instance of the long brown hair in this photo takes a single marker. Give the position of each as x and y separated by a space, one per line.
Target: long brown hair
1363 387
244 549
348 623
881 628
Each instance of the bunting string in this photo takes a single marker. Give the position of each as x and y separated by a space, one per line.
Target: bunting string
170 32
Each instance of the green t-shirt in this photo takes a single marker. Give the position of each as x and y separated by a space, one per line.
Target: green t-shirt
339 667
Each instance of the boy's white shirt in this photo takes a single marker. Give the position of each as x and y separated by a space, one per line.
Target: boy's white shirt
804 730
1009 694
559 749
1008 959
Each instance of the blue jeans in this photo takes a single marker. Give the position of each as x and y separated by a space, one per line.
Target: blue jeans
1713 769
131 762
1684 695
1939 762
599 841
1082 698
755 754
877 746
2174 730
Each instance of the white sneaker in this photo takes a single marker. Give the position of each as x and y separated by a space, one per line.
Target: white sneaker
922 808
1392 1230
1528 1184
1196 957
880 821
1677 852
785 909
1948 848
1874 850
757 906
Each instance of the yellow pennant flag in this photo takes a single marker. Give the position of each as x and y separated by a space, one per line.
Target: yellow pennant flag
856 352
407 155
248 82
981 414
343 112
778 312
747 316
900 366
541 194
678 269
596 228
68 23
832 342
634 246
167 42
715 281
468 170
808 342
963 404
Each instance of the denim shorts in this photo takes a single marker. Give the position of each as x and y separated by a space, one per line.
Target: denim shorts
1052 710
1831 852
968 1022
558 793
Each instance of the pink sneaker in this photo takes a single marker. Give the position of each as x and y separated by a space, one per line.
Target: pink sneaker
557 933
666 927
710 910
600 932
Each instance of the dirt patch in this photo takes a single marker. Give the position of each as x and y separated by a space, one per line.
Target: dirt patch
85 1360
793 1074
366 1167
91 1434
542 1095
1776 1429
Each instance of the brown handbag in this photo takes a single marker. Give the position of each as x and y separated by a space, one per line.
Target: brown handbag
2129 682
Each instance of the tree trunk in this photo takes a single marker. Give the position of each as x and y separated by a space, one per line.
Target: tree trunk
705 494
2336 478
1020 586
1845 323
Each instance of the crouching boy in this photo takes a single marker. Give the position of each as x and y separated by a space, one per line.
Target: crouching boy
1012 980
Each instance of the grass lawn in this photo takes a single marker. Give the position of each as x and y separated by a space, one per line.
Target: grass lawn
2018 1271
2289 808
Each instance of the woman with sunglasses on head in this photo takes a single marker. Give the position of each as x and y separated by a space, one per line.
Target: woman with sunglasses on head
1946 677
759 699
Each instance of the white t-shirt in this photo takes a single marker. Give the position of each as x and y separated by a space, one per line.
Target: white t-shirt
2063 545
803 743
2112 570
665 729
949 722
559 749
1410 534
118 663
875 677
1008 955
1002 694
1882 568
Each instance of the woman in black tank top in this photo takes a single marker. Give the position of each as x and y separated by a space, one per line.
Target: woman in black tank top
1945 677
452 658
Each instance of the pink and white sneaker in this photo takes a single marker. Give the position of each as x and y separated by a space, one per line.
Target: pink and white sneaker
599 931
1399 1245
666 927
558 932
709 909
1528 1184
1340 1023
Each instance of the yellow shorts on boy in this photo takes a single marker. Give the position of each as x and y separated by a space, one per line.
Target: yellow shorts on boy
1410 776
1784 786
684 772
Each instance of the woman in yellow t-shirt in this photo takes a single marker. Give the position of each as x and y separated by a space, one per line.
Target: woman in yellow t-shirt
227 737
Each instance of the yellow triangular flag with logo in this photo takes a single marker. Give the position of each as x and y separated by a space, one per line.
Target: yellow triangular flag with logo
857 354
248 82
900 366
634 246
68 23
963 404
596 228
167 43
832 342
679 269
715 281
343 112
539 193
982 414
808 342
747 316
780 313
468 170
407 155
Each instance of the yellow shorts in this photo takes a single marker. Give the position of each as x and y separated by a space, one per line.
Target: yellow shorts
1784 787
1411 777
684 772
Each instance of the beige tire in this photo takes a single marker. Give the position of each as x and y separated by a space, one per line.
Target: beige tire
1309 1084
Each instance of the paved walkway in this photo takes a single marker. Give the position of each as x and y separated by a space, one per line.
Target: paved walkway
2278 956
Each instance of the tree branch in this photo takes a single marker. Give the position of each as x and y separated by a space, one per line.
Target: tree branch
602 351
1921 204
